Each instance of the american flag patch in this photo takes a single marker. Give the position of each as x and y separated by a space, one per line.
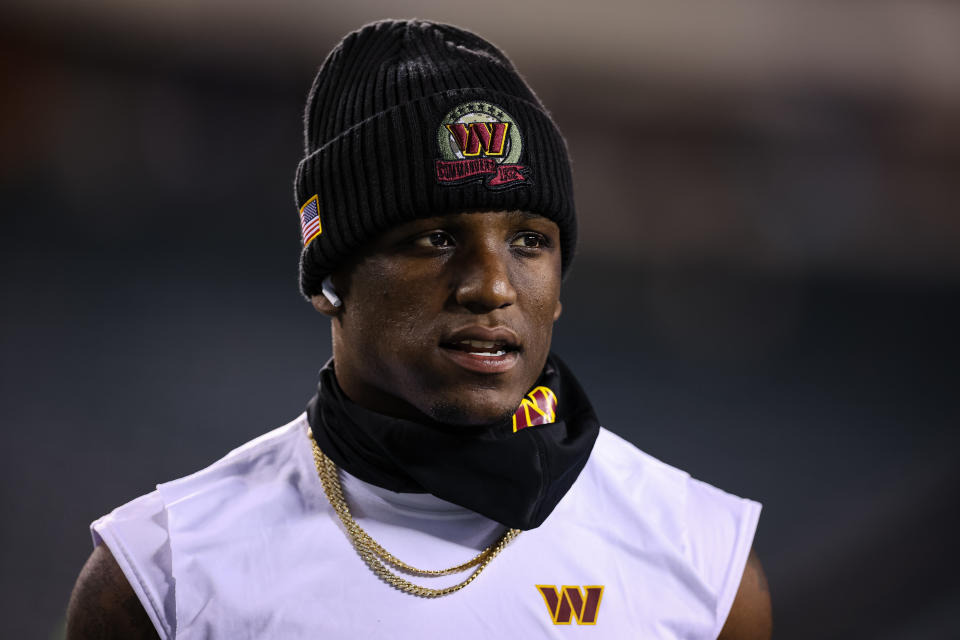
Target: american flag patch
310 220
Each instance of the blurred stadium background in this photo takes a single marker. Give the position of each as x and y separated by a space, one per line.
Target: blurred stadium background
766 291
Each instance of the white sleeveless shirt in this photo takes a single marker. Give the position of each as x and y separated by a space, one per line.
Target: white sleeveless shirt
250 548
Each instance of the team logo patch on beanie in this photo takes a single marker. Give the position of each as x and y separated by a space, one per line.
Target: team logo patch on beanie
480 141
310 220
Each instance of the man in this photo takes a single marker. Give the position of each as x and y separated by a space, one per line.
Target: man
450 476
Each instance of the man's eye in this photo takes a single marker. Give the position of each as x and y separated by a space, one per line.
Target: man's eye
435 240
529 240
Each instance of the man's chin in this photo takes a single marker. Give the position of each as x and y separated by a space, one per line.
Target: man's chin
470 415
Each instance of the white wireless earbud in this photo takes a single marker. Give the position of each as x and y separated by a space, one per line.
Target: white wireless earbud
327 288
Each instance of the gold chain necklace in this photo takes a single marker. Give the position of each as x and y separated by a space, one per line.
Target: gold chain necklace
377 558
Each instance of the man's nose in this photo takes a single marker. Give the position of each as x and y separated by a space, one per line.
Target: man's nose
483 281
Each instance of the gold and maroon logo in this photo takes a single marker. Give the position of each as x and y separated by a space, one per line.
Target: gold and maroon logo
572 602
538 407
480 141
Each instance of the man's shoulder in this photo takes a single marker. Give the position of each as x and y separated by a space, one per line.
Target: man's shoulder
142 526
134 542
617 453
648 495
651 505
262 458
263 454
270 445
641 475
617 465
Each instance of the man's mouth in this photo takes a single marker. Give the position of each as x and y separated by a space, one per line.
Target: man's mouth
483 350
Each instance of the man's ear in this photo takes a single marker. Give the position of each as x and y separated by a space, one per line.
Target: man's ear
327 302
556 312
324 306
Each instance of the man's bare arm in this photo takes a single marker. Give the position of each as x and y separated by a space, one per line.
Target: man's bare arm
751 617
103 605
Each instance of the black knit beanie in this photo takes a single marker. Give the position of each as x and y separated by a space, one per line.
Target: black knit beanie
411 119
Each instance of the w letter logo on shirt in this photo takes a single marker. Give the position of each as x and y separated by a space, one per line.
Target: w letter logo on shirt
583 604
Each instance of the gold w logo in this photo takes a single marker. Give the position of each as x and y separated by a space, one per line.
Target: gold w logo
488 136
583 604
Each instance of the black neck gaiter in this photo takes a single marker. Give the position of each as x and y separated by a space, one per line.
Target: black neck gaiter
513 477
